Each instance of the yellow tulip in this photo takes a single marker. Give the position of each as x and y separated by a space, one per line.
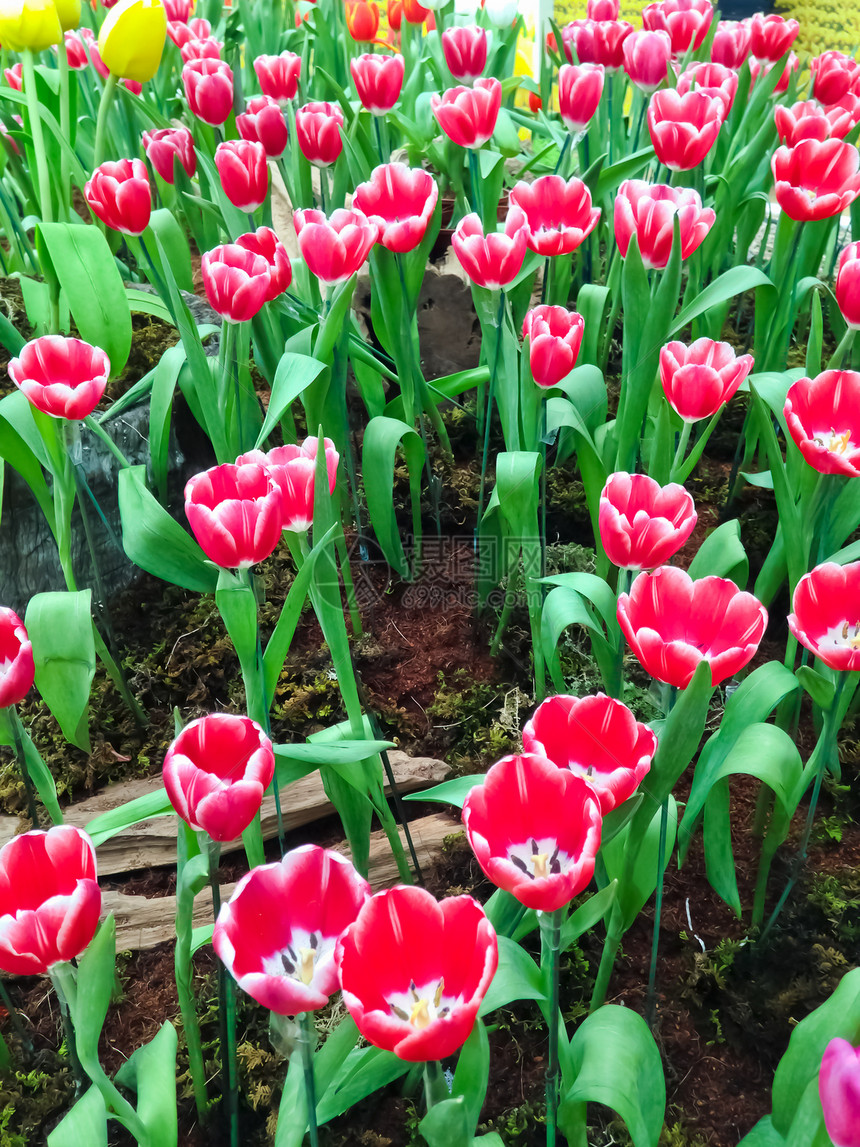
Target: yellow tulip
69 12
132 37
32 24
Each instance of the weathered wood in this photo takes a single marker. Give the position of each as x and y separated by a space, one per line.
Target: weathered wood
142 923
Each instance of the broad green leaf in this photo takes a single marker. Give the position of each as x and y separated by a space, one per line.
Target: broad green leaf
382 437
151 1072
40 774
294 372
517 978
819 688
449 792
472 1074
85 1123
60 626
631 859
764 1134
365 1071
588 914
109 824
95 984
446 1124
164 380
732 282
722 554
172 244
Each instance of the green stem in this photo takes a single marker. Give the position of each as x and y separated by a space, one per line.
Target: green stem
681 449
227 1012
435 1087
491 393
106 100
46 206
21 758
475 183
550 959
604 972
104 437
65 128
651 999
843 350
307 1041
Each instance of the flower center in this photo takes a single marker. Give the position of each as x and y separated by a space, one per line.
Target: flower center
538 859
845 634
421 1008
835 443
299 959
850 635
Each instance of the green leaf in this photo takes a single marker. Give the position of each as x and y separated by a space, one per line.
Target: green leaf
81 261
85 1123
764 1134
164 380
382 437
294 372
722 554
155 541
517 978
449 792
446 1124
40 774
617 1063
732 282
151 1072
22 447
631 859
95 985
60 626
472 1074
588 914
365 1071
819 688
172 245
116 820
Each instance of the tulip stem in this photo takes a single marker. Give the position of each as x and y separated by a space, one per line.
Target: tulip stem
106 100
227 1011
435 1085
475 184
21 758
46 206
607 962
488 417
103 436
65 128
384 154
651 998
550 935
307 1041
680 450
843 350
565 147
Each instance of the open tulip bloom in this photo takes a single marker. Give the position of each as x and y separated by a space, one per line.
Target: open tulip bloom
823 418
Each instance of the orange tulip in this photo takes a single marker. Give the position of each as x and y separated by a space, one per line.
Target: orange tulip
362 20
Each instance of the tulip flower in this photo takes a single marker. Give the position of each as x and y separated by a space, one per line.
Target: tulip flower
400 202
535 830
235 513
266 243
63 377
595 738
596 42
277 934
771 36
166 145
839 1090
494 260
335 246
646 59
848 285
293 469
179 33
98 63
413 12
683 128
414 971
465 51
131 39
14 76
468 115
236 280
217 769
580 87
823 418
378 81
687 22
178 10
394 13
68 13
816 180
602 9
195 49
757 68
29 25
642 524
731 44
559 215
318 127
712 80
825 618
362 20
649 210
49 899
119 194
555 336
278 76
834 75
807 119
672 622
700 378
209 90
76 52
241 164
17 669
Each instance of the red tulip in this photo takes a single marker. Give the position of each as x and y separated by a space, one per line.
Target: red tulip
687 22
209 90
535 830
646 59
263 122
278 76
119 195
195 49
465 51
180 33
731 44
700 378
839 1090
318 127
834 75
16 659
555 336
394 12
265 242
76 52
672 623
236 280
14 77
580 87
414 971
235 513
179 10
468 115
596 42
649 210
244 173
334 247
757 68
494 260
559 215
823 417
595 738
168 144
816 180
362 20
807 119
49 899
218 768
683 128
378 81
771 36
848 285
293 469
400 201
712 80
602 9
413 12
276 936
825 617
641 523
60 376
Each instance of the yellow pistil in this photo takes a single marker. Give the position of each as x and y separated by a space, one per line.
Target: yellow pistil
420 1015
539 861
306 973
836 443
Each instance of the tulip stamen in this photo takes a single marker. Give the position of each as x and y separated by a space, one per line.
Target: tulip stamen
542 859
298 960
834 443
420 1007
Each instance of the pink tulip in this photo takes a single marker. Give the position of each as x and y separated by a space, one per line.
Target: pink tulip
63 377
493 260
580 87
119 194
771 36
278 76
14 77
400 201
596 42
731 44
17 669
712 80
686 21
700 378
824 616
244 173
263 122
823 418
602 9
848 285
235 513
807 119
468 115
378 81
816 180
76 52
195 49
642 524
265 242
293 470
559 215
334 247
839 1089
555 336
236 280
834 75
646 59
209 90
684 128
179 10
318 128
216 772
165 145
649 211
465 51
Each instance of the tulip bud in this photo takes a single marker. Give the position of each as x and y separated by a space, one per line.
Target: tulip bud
771 36
646 59
731 43
555 336
686 21
263 122
465 52
209 89
69 13
76 52
580 87
278 76
492 260
236 281
468 116
120 196
683 128
318 127
378 81
165 145
336 246
132 37
29 25
700 378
